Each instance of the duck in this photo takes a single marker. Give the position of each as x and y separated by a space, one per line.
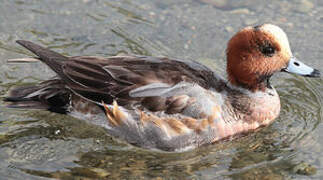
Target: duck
165 103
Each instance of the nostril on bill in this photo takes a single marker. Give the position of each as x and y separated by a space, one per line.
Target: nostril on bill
296 63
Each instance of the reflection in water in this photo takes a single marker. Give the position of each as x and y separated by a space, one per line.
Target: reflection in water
14 49
132 44
137 44
302 104
135 18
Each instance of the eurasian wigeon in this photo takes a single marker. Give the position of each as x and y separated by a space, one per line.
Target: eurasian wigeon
168 104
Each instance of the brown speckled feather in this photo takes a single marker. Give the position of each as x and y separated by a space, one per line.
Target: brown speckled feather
106 79
115 77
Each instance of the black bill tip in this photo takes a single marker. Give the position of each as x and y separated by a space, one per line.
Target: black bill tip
315 73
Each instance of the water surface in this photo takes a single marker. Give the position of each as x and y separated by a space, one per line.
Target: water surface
42 145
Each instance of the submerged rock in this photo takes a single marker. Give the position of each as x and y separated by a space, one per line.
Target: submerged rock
304 168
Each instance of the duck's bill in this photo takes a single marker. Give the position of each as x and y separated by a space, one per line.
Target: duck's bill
297 67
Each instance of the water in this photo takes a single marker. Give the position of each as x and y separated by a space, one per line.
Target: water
42 145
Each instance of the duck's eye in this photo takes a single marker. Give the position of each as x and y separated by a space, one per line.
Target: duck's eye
267 50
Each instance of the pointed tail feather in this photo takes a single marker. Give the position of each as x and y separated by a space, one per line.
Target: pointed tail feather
52 59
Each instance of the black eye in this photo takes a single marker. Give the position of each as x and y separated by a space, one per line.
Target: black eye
267 50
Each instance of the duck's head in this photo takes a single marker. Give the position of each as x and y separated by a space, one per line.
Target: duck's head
254 54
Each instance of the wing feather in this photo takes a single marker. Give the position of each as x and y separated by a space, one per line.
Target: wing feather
130 79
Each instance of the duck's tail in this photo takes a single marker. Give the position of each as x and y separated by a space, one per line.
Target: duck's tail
50 95
53 59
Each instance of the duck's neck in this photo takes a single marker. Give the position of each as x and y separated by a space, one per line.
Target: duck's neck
261 83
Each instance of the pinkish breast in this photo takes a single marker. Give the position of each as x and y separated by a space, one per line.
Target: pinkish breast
247 112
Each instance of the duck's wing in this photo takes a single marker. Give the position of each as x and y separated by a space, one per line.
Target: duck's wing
128 79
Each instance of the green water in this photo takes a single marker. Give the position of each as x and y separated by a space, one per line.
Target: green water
42 145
